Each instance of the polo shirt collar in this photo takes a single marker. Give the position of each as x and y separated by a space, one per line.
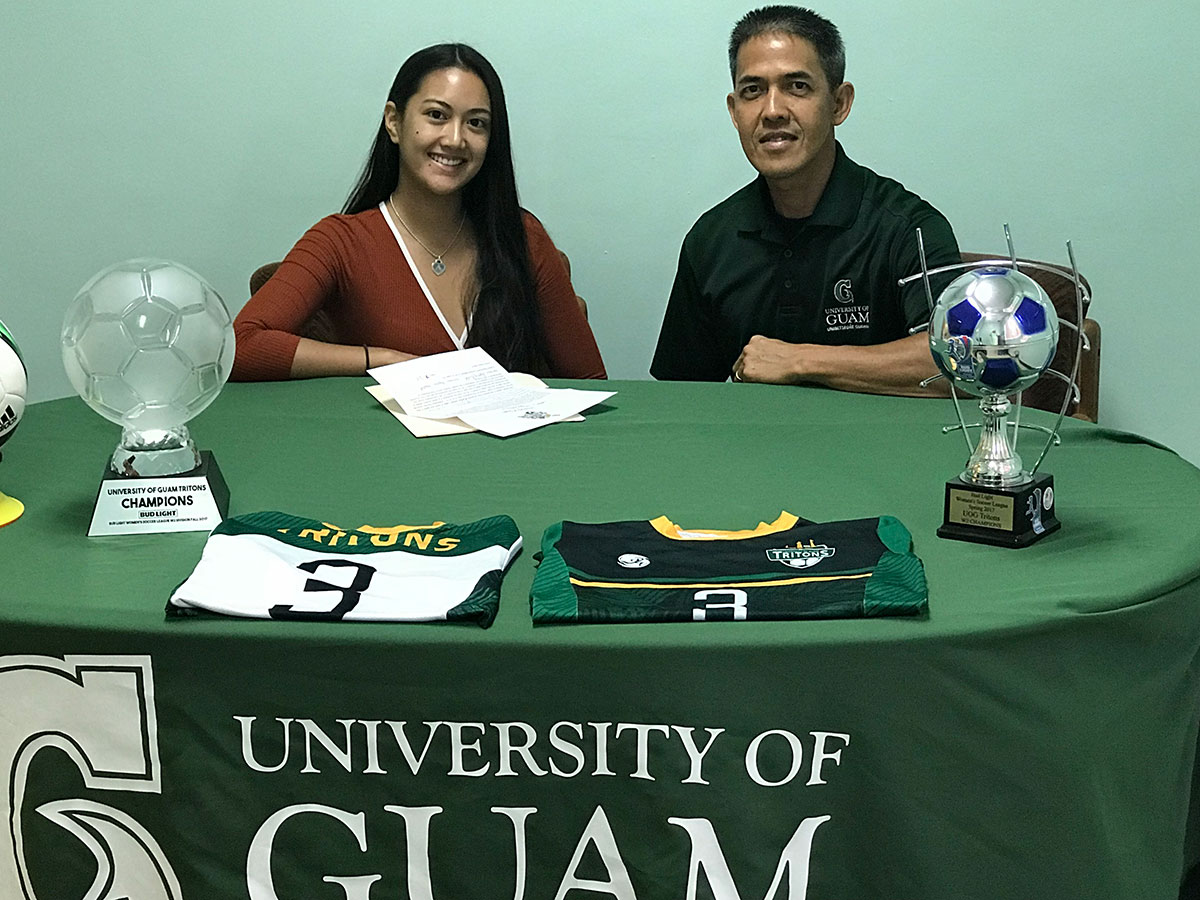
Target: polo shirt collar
838 206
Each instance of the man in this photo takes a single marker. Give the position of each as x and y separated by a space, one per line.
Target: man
793 278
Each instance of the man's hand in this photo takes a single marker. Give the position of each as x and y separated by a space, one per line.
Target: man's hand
769 361
897 367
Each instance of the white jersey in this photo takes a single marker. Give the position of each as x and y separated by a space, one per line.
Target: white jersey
273 565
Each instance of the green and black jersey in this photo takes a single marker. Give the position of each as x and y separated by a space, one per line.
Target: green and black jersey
790 569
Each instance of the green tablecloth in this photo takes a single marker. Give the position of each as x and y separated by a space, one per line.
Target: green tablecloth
1033 737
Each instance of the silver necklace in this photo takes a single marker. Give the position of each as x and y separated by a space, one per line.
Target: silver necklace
438 266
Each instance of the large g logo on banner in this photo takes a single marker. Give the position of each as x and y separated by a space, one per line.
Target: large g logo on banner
99 710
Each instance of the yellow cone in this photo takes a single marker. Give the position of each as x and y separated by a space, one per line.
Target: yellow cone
10 509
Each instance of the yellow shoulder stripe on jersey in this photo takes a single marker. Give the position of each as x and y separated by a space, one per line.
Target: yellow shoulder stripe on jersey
775 582
669 529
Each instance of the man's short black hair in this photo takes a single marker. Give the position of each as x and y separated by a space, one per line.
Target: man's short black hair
798 22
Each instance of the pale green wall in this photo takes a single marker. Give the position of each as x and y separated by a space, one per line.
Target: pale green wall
214 133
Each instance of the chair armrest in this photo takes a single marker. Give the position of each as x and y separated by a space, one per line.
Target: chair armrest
1089 374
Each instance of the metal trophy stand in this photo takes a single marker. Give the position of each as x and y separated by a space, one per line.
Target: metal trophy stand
995 500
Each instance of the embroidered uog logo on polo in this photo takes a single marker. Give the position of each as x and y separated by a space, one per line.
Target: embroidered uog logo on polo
801 557
843 291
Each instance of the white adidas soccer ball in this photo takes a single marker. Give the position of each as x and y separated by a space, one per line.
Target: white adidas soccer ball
148 344
13 385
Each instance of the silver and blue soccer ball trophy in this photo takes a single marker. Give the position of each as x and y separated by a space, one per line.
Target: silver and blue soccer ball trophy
993 332
148 344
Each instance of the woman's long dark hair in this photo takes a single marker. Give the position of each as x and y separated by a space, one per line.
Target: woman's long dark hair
505 320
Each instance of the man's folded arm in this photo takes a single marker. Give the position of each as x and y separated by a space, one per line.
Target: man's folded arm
896 367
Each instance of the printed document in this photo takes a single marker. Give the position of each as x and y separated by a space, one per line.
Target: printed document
466 390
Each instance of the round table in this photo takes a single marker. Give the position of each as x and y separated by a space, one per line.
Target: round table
1033 736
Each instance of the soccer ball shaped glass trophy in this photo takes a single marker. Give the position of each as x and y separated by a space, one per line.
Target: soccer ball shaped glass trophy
993 332
148 344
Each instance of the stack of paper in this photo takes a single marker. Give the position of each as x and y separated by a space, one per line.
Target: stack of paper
467 390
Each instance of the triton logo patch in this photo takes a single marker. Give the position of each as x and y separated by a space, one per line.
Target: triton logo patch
632 561
799 557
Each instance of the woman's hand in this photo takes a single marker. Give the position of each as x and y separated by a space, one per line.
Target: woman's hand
383 356
314 359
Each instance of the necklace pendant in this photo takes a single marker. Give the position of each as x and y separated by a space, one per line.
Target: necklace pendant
439 267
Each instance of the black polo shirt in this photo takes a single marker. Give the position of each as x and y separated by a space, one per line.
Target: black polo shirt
827 279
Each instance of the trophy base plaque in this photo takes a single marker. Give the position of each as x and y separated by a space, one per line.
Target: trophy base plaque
192 501
1006 517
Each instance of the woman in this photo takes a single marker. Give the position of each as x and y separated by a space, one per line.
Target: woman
431 252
